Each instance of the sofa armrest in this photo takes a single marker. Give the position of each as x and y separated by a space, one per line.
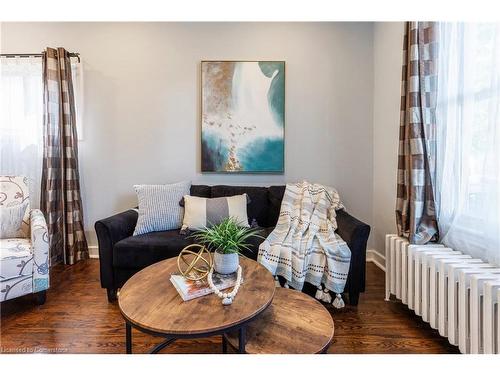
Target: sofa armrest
40 242
109 231
355 233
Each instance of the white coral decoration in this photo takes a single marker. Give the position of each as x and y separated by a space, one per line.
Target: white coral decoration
227 298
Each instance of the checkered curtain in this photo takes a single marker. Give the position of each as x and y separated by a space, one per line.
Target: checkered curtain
60 196
415 208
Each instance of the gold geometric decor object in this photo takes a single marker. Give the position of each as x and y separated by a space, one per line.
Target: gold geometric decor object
200 262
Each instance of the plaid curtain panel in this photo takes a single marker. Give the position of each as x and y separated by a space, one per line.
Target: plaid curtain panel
415 208
60 196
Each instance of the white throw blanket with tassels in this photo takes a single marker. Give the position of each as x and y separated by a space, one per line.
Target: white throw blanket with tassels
304 246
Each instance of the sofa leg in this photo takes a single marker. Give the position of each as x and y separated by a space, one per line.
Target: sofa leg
40 297
353 298
111 294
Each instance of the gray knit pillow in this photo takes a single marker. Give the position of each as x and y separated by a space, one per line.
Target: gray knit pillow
159 208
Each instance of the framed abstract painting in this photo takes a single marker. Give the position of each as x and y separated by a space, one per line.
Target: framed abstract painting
243 116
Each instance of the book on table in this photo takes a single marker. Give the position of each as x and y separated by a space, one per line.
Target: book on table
190 289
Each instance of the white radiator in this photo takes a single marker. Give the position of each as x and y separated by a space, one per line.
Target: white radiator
456 294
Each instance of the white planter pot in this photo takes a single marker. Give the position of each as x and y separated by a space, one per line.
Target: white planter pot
226 263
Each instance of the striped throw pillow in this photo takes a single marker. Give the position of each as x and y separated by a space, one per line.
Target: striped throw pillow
159 208
202 212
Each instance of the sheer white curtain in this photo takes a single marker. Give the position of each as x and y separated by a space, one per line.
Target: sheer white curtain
468 157
77 77
21 120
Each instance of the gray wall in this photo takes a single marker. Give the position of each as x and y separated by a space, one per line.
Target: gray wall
387 58
141 118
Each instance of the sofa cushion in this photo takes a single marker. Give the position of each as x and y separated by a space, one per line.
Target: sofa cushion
276 194
15 190
16 258
137 252
257 208
145 249
11 225
254 243
204 191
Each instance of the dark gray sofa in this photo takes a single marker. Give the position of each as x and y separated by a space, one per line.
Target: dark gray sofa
121 254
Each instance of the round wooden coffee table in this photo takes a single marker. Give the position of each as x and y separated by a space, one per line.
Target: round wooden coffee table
294 324
150 303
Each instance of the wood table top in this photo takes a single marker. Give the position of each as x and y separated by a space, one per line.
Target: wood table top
150 301
295 323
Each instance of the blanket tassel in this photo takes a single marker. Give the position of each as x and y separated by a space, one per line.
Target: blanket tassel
286 285
319 293
338 302
327 298
277 282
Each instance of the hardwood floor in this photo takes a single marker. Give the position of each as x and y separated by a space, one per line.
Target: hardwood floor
77 318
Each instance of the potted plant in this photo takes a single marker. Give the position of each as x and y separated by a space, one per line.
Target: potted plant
227 239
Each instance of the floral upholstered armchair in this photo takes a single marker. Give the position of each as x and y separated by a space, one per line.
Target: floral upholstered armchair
24 260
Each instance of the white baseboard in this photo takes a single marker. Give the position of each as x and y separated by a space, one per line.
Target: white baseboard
93 252
375 257
371 256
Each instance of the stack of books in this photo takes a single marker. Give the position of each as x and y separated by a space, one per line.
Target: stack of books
189 289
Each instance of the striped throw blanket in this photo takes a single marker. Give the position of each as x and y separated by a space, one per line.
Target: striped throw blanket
304 246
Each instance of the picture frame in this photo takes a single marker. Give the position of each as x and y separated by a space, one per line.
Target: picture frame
243 116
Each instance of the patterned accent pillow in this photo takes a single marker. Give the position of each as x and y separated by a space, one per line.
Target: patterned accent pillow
11 223
201 212
159 208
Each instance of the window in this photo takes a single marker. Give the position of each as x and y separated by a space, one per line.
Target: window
77 77
468 138
21 118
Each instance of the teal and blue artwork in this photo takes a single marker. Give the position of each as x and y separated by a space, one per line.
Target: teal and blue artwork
243 116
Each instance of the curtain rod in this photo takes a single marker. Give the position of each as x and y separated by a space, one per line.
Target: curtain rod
11 55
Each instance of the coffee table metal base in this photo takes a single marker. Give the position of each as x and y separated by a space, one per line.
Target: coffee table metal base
169 339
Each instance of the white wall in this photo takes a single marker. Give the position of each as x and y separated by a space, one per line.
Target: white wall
141 119
387 56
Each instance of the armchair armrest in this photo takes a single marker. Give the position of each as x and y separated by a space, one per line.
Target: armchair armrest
109 231
355 233
40 242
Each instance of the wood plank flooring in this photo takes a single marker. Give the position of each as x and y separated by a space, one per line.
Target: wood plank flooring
77 318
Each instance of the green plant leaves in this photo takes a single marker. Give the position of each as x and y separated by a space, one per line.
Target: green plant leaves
227 236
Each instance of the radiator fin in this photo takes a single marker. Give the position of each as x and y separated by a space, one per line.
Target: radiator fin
455 293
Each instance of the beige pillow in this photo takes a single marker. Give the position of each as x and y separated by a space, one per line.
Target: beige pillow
204 212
